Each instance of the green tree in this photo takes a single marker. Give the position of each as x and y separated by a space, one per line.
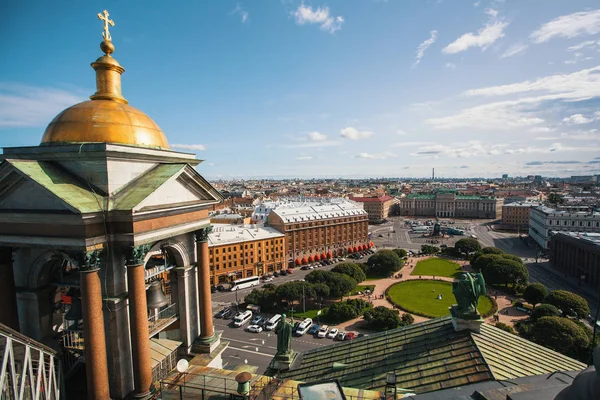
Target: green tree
555 198
339 284
401 252
534 293
562 335
321 290
348 309
492 250
505 272
384 263
544 310
481 262
429 249
504 327
352 270
407 319
382 318
290 291
569 303
467 246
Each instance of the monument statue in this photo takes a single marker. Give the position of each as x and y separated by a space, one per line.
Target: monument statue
437 229
467 290
284 337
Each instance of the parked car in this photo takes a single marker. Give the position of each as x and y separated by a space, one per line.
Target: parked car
305 267
258 320
275 274
283 272
322 331
341 335
221 313
220 288
295 327
314 329
290 271
228 313
254 328
350 336
362 335
332 333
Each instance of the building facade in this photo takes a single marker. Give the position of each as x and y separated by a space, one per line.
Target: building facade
243 251
543 220
317 228
516 215
450 204
378 208
577 254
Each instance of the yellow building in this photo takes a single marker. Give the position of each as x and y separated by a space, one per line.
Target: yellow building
241 251
378 208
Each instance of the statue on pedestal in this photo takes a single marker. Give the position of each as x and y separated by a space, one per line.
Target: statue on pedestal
284 337
467 290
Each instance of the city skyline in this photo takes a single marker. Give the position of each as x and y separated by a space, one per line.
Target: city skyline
329 89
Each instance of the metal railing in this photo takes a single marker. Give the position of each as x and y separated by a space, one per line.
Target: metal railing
29 370
162 319
72 339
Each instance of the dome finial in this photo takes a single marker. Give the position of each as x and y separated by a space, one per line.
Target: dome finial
106 46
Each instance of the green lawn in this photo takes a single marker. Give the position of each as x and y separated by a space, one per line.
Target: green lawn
362 288
421 296
437 267
309 313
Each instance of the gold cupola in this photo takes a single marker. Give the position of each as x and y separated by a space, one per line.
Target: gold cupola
106 117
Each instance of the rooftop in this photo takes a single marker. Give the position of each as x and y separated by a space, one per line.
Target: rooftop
430 356
314 209
552 211
588 237
227 234
522 204
372 199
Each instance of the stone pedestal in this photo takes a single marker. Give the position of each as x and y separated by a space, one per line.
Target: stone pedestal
207 345
96 365
283 362
461 324
140 335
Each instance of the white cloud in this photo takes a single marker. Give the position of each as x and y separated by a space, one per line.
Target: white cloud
321 16
584 45
26 106
541 129
577 119
324 143
514 50
316 136
409 144
486 36
400 132
210 164
424 46
304 158
569 26
189 146
241 12
450 65
477 149
354 134
377 156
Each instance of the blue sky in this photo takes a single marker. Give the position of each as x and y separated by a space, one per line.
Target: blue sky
336 88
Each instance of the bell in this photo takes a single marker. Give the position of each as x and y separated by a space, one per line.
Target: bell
74 313
155 296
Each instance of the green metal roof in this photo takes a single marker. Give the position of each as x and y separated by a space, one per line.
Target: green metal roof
421 196
430 356
132 194
62 184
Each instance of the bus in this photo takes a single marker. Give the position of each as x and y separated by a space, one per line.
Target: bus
421 229
245 283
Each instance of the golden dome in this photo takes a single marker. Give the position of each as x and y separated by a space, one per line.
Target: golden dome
104 121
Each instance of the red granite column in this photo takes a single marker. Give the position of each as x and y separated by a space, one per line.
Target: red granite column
206 323
93 333
140 334
8 295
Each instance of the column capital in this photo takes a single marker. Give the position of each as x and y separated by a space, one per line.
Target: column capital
89 260
201 235
135 255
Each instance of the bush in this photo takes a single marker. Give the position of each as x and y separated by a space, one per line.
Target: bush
400 252
467 246
347 310
534 293
504 327
384 263
382 318
451 252
562 335
429 249
481 262
505 271
352 270
339 284
569 303
407 319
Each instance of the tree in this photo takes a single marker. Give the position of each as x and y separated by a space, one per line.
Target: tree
291 291
504 327
348 309
382 318
384 263
407 319
534 293
339 284
544 310
562 335
555 198
505 272
321 290
429 249
467 246
492 250
401 252
352 270
481 262
569 303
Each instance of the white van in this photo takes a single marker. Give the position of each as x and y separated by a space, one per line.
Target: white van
304 327
272 323
242 318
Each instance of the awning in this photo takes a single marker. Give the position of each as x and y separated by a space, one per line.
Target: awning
298 261
317 257
304 260
324 256
350 249
311 259
329 255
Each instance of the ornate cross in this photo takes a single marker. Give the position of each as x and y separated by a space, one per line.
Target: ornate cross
103 16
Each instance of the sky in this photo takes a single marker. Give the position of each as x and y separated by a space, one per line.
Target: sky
333 88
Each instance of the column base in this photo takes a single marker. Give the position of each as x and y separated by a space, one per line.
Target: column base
282 362
207 344
143 396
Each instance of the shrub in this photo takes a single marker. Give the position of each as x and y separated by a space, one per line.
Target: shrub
569 303
339 284
346 310
407 319
505 271
429 249
562 335
384 263
534 293
352 270
400 252
382 318
467 246
504 327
